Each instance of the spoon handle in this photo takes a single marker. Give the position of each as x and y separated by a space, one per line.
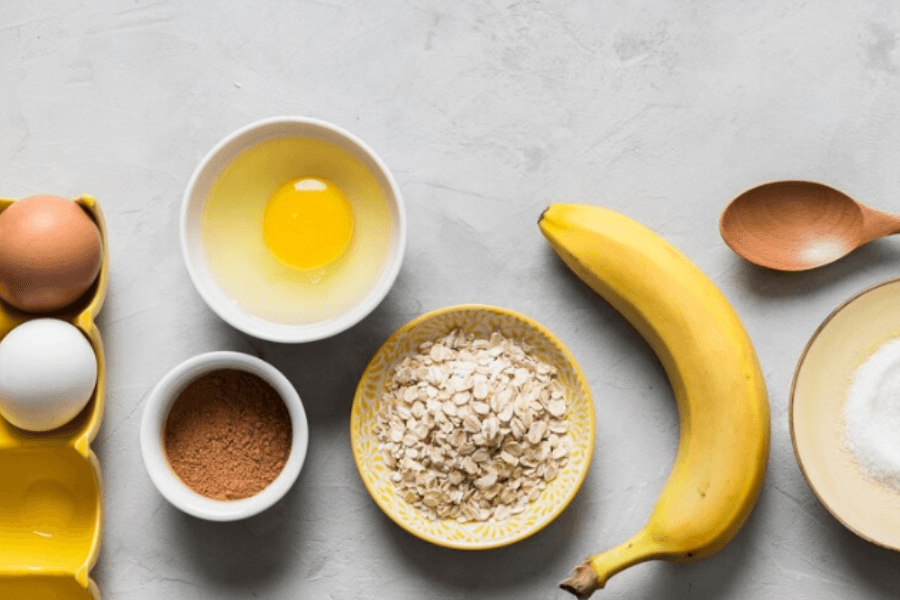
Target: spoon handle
878 224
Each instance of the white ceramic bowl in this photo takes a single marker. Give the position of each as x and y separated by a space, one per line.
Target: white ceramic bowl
353 161
153 424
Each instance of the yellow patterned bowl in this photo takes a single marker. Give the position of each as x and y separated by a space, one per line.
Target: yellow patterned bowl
482 321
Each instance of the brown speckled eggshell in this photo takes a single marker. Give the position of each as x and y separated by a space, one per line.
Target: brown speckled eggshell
50 253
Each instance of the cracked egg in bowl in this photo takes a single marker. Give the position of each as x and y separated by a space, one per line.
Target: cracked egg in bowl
292 229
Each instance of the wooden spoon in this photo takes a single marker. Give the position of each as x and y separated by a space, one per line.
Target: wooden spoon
799 225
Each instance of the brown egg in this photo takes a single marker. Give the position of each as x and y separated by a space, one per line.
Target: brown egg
49 253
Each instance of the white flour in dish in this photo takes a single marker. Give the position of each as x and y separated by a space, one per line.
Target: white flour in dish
872 415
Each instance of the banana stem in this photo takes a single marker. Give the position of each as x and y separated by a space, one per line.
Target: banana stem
582 582
593 573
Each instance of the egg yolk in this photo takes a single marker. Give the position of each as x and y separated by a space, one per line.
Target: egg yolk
307 223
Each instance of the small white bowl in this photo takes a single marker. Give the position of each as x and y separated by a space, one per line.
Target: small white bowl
153 425
364 177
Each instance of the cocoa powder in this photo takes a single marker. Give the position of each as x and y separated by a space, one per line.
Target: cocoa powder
228 435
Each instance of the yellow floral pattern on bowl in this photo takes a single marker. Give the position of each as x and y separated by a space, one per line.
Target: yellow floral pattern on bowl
480 320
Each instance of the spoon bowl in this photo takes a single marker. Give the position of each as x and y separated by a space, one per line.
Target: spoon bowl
800 225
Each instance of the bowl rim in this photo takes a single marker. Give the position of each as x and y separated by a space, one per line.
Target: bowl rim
580 379
156 411
792 410
307 332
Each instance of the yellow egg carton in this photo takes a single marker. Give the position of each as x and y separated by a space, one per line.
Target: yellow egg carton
51 502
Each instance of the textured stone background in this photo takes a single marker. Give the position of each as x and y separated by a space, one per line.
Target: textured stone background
485 112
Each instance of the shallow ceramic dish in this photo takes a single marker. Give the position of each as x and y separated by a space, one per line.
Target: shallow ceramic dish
482 321
153 423
849 336
222 234
51 501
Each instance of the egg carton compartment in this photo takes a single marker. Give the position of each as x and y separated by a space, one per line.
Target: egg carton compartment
51 508
48 587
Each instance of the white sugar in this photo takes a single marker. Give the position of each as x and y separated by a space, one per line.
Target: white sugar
872 414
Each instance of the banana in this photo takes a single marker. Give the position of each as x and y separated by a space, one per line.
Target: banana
715 377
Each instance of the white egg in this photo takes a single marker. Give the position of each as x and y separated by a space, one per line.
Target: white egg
48 371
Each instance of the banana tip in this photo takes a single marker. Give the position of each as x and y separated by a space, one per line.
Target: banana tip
543 212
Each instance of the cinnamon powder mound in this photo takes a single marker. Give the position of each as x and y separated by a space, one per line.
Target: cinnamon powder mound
228 435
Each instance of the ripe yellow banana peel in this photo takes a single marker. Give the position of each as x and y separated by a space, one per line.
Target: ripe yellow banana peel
715 377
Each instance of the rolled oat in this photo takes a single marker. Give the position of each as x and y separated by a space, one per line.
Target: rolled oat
473 429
